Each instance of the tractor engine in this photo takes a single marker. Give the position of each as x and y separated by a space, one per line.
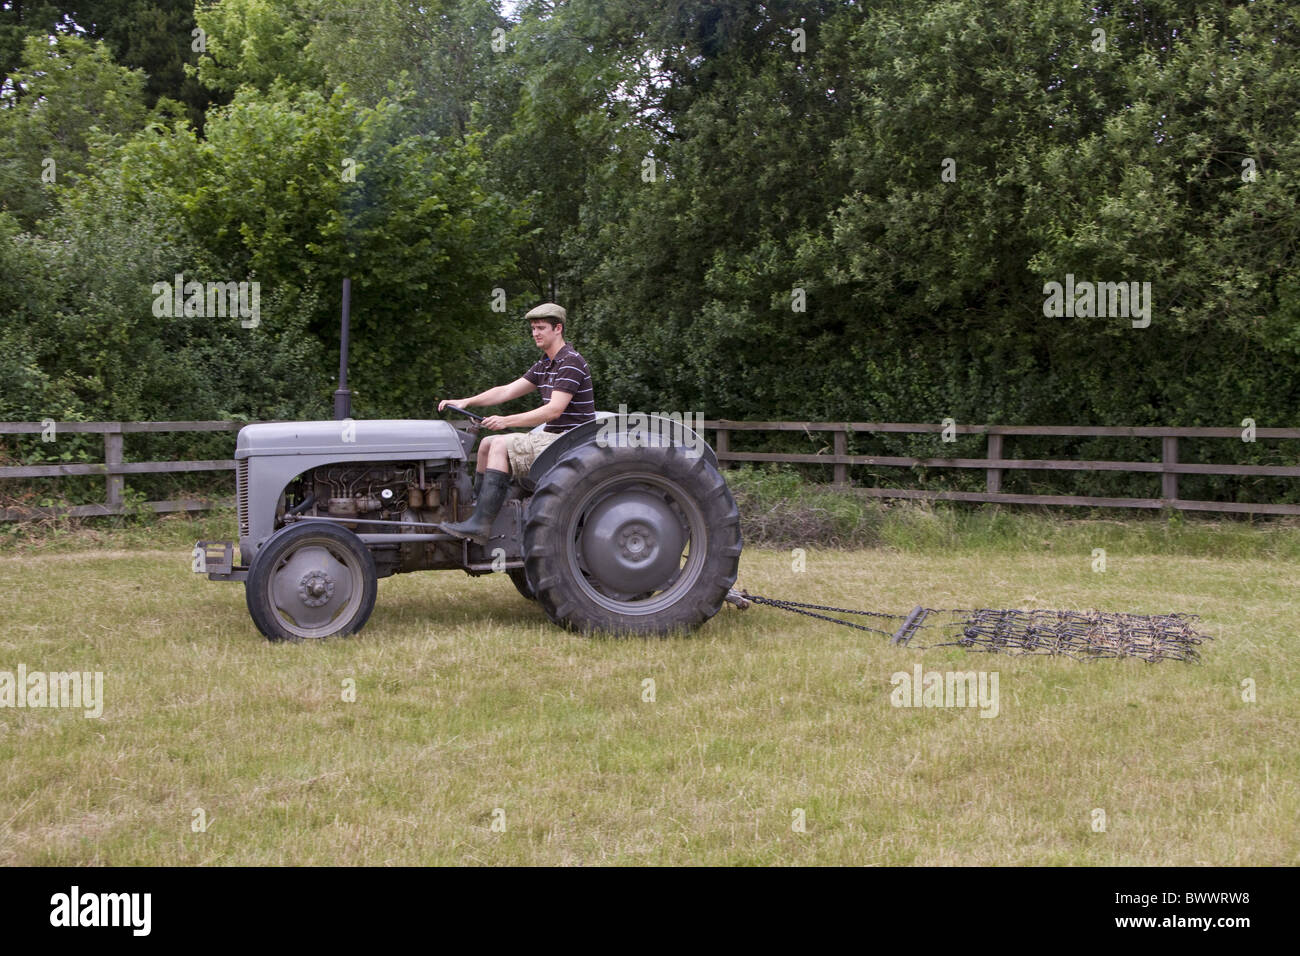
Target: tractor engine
384 492
398 492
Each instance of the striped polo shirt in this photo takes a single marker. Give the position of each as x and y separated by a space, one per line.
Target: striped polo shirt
567 372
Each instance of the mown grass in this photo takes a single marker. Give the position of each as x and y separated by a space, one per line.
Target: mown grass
469 701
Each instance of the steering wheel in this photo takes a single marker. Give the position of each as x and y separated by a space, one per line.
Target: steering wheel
470 415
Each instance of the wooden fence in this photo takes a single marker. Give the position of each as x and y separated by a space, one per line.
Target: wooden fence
993 464
114 468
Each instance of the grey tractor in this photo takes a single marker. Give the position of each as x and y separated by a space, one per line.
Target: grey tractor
623 525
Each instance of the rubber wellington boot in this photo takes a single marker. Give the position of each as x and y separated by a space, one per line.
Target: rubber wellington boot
491 496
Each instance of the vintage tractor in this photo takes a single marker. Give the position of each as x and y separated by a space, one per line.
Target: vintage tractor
624 525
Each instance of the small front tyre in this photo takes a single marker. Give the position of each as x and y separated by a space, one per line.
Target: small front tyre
311 580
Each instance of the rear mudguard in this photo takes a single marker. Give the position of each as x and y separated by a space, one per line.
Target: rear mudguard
631 430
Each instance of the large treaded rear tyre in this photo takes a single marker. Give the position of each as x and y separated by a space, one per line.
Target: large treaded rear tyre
630 540
311 580
520 580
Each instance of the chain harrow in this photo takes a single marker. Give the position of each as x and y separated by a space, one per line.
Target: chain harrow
1082 635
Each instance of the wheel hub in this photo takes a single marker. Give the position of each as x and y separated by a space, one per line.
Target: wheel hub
315 588
636 542
632 542
311 587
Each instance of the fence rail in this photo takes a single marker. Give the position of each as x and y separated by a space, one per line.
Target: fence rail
115 469
994 465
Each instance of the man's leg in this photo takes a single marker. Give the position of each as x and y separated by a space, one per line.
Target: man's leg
494 485
492 453
485 451
498 455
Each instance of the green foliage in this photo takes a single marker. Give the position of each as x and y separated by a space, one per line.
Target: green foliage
743 206
155 37
402 214
20 20
257 43
821 171
93 346
67 97
440 54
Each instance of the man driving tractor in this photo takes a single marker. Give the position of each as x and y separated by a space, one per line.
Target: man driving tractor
564 380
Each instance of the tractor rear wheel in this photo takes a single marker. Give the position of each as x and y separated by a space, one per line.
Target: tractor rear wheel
520 580
631 540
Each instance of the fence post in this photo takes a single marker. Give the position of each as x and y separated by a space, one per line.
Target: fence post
720 446
993 476
1169 455
113 458
841 448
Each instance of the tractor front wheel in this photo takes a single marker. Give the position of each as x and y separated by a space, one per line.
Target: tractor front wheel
311 580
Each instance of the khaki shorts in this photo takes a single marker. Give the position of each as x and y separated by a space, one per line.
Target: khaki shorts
524 447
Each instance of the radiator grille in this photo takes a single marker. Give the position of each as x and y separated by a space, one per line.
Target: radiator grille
241 495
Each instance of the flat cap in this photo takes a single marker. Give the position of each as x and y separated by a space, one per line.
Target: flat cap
547 310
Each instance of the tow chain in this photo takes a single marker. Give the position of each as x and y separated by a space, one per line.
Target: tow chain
808 609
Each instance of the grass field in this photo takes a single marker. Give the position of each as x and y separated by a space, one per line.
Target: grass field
468 702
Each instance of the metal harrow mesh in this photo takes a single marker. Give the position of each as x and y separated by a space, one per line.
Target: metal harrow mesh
1083 635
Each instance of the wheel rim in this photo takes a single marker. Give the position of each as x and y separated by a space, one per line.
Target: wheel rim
315 587
638 545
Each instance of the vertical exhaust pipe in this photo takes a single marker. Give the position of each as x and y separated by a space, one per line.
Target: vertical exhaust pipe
343 395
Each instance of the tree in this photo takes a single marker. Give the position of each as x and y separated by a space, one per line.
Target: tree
155 36
68 97
258 43
298 193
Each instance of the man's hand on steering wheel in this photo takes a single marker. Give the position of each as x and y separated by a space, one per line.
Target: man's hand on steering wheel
494 423
451 401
